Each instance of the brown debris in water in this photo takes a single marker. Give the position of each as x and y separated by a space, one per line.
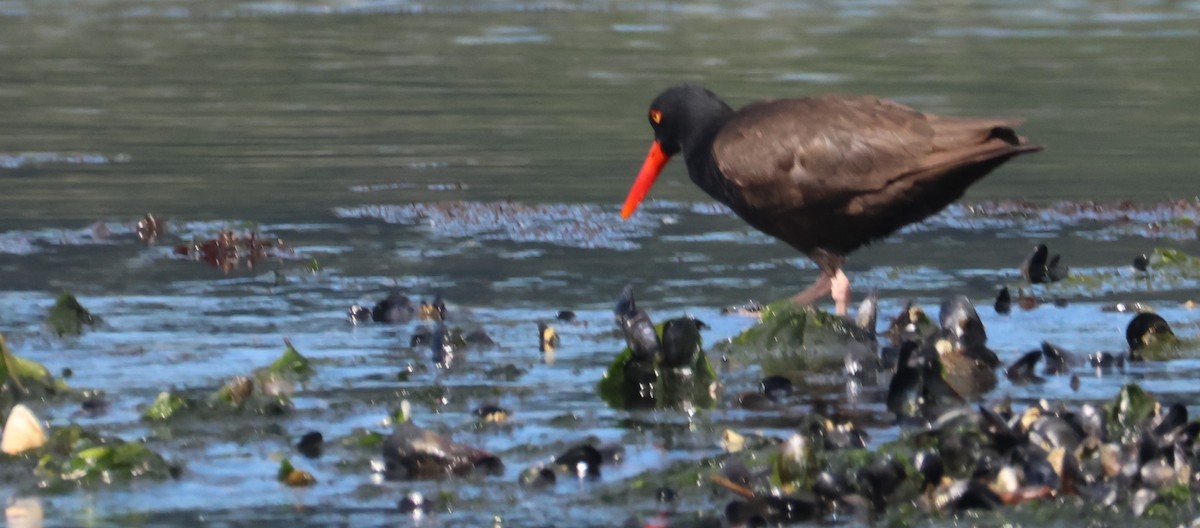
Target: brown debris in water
230 251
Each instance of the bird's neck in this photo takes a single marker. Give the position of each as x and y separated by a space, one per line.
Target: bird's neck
698 153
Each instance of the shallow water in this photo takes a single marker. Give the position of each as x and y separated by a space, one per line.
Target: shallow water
480 150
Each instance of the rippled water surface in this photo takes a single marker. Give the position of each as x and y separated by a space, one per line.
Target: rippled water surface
480 151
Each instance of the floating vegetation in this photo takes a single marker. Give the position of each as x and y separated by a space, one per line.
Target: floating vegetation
1176 220
24 378
67 317
76 456
229 251
579 225
267 391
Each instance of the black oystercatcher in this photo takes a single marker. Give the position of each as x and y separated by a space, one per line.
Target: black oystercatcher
826 174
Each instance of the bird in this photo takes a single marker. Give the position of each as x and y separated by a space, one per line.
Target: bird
825 174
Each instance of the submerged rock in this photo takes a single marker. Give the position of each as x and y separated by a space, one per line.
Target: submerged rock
411 452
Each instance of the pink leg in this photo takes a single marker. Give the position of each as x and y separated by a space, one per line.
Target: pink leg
840 291
819 289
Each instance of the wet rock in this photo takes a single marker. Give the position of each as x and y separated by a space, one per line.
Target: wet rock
754 401
358 314
412 452
538 477
583 461
1141 262
566 316
94 406
777 387
311 444
479 337
395 308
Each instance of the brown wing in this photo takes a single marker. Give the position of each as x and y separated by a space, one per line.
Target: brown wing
834 172
807 151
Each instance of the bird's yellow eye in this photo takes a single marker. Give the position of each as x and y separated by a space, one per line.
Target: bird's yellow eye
656 116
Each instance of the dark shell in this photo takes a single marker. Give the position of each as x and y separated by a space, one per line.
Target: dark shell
1141 262
1144 329
637 327
959 319
310 444
1040 267
1058 361
1021 372
1003 304
680 342
931 467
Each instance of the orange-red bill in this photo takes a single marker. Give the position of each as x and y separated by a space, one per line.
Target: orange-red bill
653 165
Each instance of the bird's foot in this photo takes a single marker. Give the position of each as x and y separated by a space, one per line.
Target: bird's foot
840 291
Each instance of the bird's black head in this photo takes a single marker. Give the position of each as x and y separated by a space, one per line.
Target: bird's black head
681 113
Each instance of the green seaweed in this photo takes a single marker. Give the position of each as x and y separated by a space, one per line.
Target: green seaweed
793 340
164 407
67 317
1127 412
291 363
76 456
24 377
